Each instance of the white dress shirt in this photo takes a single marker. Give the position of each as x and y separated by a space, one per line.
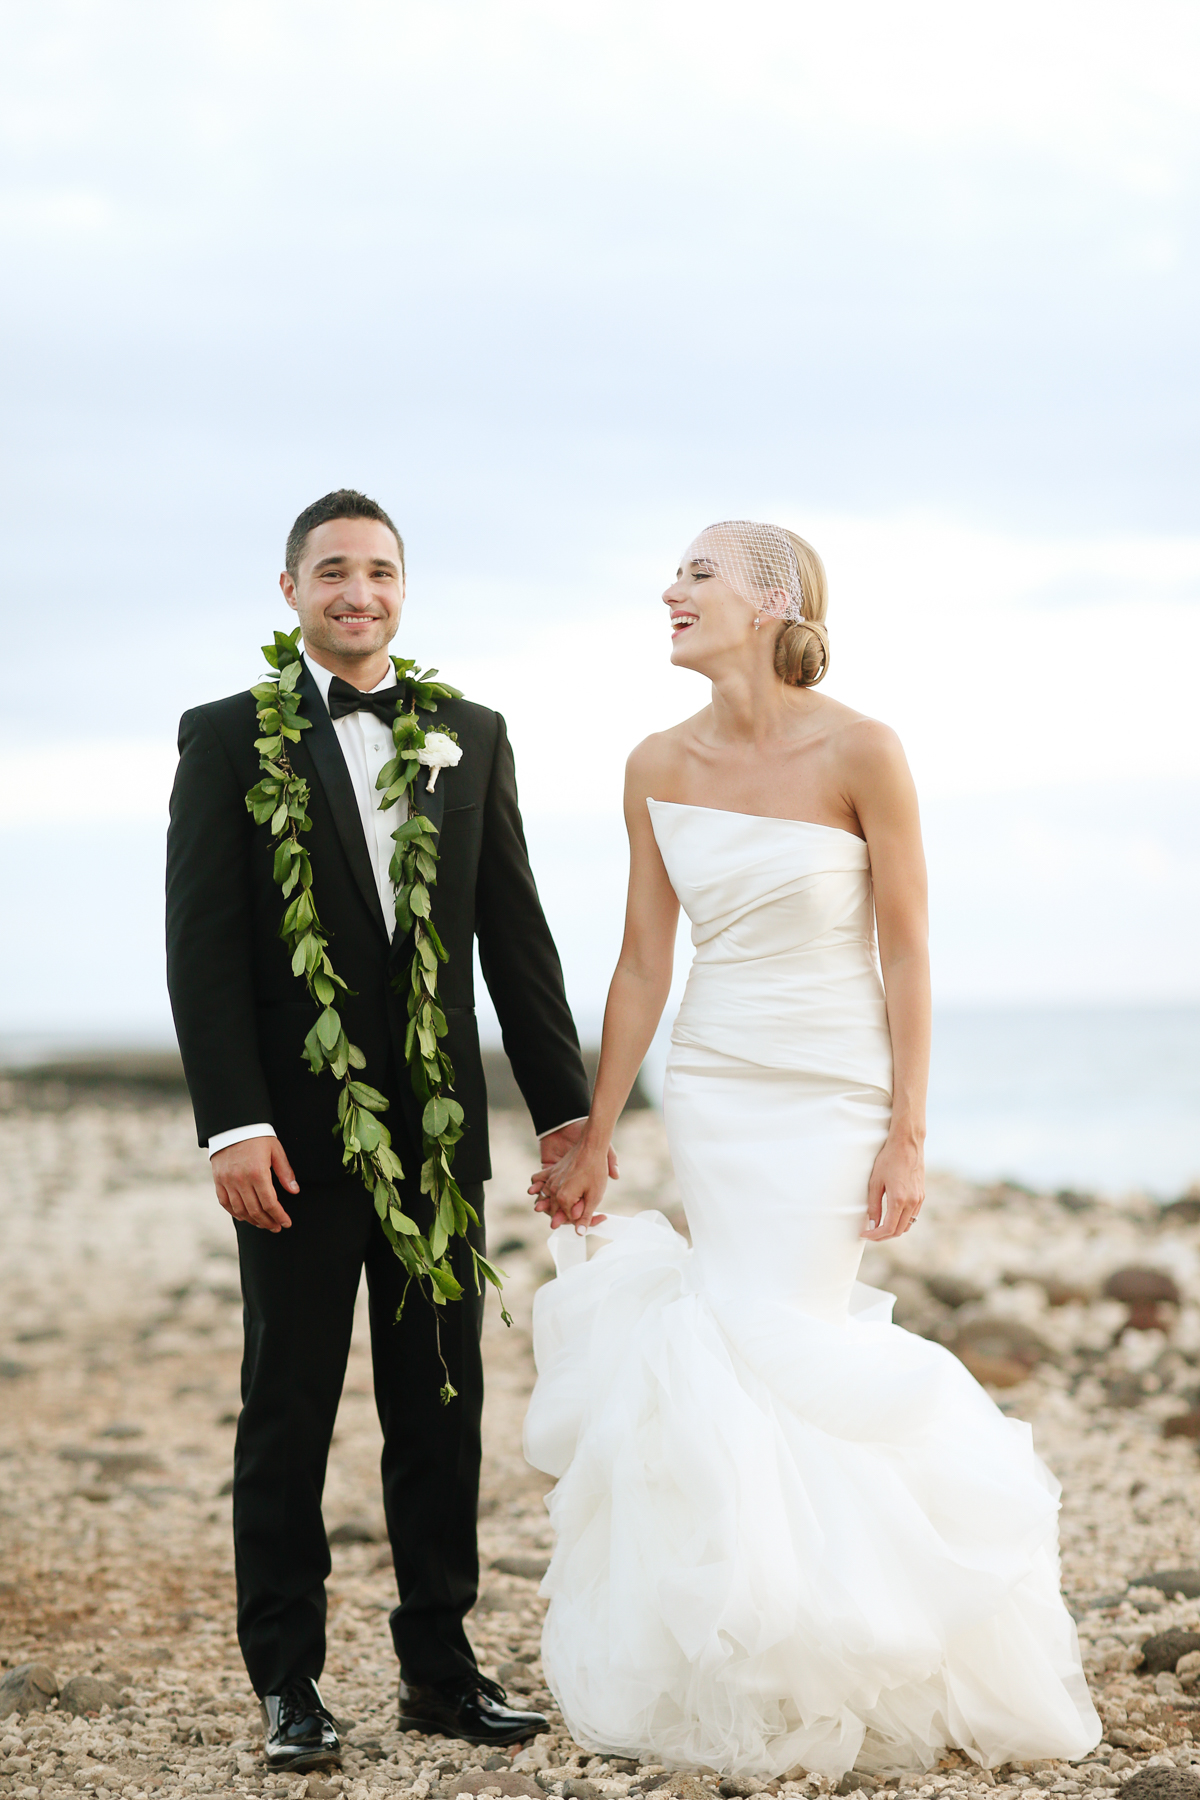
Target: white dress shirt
366 745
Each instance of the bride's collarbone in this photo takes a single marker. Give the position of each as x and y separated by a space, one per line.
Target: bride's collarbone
765 793
799 781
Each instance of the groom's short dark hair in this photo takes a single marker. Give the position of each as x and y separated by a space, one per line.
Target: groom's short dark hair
343 503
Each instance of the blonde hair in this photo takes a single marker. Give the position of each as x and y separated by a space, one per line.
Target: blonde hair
802 648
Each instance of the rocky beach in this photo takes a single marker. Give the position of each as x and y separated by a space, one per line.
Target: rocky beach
119 1352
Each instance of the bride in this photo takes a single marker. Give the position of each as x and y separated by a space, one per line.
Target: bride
788 1533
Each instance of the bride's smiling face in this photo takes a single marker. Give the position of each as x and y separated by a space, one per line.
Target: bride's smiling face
709 621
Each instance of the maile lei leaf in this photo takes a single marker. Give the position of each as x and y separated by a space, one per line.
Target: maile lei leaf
279 800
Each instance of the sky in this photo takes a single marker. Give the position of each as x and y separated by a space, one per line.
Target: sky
558 284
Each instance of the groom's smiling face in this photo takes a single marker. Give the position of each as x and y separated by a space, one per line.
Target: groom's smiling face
348 589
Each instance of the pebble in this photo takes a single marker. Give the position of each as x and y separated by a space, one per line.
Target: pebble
531 1568
30 1687
119 1281
504 1782
1172 1581
88 1693
1162 1651
1162 1783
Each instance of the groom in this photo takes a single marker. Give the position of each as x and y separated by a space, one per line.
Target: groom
306 1227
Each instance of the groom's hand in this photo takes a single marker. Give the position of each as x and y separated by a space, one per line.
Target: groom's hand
242 1173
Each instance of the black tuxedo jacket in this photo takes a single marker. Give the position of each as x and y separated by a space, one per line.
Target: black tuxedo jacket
242 1016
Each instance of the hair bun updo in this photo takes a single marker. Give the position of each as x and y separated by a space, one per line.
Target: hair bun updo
802 647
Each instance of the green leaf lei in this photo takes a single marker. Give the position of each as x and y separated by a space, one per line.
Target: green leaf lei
280 799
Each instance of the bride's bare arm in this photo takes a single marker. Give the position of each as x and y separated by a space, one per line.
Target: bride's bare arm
881 789
572 1190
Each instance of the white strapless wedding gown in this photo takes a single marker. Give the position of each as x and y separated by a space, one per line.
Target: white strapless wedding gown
787 1532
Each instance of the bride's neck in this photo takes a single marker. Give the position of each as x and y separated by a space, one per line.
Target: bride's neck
751 705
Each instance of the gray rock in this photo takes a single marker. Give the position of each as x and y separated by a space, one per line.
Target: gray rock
354 1531
515 1675
685 1787
113 1463
501 1600
1172 1581
1162 1784
529 1568
518 1787
999 1339
1075 1202
367 1744
1164 1649
954 1292
1124 1391
579 1789
88 1693
30 1687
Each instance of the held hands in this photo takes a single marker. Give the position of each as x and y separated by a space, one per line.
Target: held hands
570 1184
242 1173
898 1176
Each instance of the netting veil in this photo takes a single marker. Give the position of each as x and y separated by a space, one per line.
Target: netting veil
756 561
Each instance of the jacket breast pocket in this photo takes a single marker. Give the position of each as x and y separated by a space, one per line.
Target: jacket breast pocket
459 844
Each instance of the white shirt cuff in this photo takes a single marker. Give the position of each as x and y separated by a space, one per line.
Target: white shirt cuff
221 1140
551 1129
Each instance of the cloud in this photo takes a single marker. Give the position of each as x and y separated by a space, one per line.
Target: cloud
559 280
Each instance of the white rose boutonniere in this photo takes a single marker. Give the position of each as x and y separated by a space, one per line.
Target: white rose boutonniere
438 752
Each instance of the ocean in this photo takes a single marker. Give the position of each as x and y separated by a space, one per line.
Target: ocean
1102 1098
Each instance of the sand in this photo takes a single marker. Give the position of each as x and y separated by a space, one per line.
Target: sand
119 1352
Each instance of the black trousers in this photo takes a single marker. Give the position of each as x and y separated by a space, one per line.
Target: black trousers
298 1290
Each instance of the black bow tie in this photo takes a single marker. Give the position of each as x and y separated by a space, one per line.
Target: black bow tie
345 699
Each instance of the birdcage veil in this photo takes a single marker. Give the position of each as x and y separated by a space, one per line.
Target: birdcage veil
756 561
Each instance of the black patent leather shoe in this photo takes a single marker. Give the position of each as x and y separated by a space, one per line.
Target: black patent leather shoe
475 1709
298 1730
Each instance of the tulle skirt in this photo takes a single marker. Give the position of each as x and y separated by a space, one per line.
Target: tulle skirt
788 1533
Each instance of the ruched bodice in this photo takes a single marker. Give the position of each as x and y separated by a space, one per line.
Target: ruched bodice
783 922
756 888
788 1533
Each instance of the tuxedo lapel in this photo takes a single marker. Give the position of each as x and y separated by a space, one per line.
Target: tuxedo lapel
431 806
321 745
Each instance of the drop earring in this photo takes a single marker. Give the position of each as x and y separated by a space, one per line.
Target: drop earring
757 623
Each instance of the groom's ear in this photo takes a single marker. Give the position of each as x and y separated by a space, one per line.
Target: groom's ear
289 589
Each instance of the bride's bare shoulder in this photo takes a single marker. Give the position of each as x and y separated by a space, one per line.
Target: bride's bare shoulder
868 753
658 758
